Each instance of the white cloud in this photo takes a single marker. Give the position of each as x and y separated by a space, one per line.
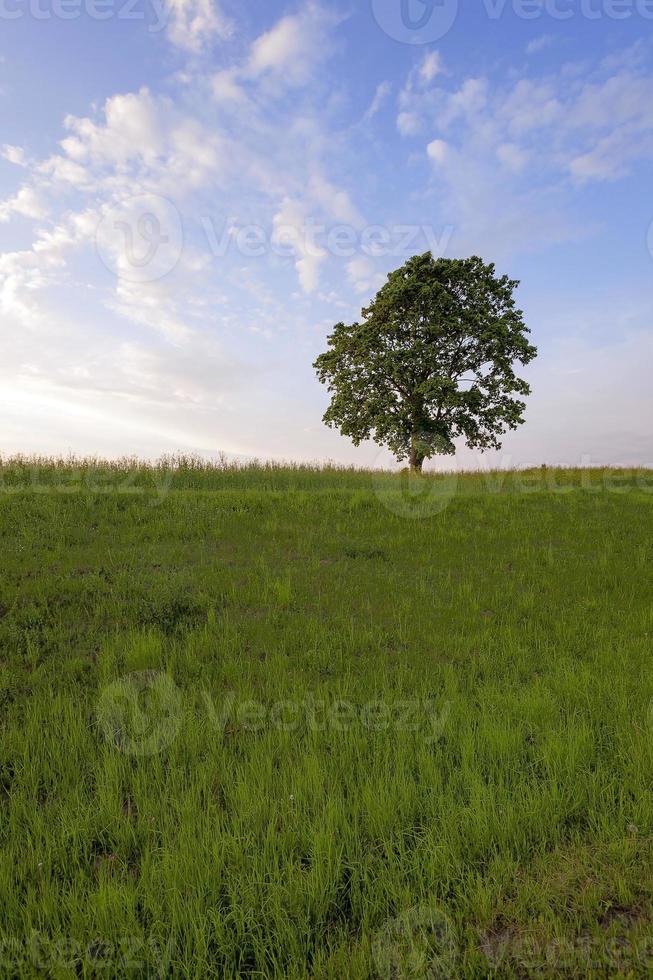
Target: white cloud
335 201
279 48
138 143
531 105
381 94
26 274
430 66
59 169
22 274
141 137
292 230
14 154
194 24
363 274
408 123
132 128
153 305
225 87
468 101
292 49
26 203
299 223
412 96
437 151
540 43
487 138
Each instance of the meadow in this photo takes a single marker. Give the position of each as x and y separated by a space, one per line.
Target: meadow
275 721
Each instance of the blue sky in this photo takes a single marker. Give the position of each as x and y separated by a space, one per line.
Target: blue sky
192 193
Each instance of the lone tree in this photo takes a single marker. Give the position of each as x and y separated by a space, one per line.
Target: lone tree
431 361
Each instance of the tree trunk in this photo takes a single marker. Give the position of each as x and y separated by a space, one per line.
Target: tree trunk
416 459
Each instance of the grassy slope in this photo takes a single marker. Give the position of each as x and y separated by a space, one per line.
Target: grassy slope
494 812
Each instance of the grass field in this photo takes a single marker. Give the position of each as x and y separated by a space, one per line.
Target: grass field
284 722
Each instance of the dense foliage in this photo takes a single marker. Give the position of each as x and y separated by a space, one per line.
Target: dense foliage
431 361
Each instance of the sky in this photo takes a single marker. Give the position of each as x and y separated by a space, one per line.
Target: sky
193 192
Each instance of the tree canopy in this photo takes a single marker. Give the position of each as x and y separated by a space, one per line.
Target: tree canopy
431 361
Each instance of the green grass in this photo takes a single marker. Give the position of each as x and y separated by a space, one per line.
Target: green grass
286 722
